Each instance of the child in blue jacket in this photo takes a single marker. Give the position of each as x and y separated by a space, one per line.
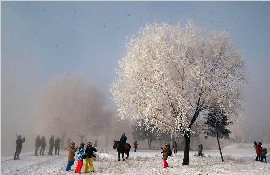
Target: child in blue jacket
80 155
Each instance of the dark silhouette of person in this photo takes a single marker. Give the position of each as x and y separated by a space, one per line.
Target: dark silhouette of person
135 144
19 142
51 142
37 144
57 146
259 151
123 138
43 145
200 149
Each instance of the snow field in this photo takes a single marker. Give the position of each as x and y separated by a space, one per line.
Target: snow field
237 162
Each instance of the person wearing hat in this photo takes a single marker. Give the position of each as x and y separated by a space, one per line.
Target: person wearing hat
80 154
71 153
89 152
259 151
165 152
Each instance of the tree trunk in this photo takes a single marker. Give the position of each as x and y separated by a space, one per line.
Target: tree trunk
219 148
171 139
96 143
63 139
81 137
186 150
107 140
149 143
187 135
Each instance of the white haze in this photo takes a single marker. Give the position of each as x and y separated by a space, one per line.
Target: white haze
43 39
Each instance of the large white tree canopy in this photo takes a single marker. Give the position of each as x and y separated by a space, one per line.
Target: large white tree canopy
170 75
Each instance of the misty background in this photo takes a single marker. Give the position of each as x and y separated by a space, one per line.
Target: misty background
45 40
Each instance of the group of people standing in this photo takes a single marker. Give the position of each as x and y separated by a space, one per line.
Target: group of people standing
260 151
87 154
41 142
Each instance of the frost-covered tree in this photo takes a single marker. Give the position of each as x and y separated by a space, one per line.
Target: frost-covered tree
170 75
142 132
217 124
106 125
71 106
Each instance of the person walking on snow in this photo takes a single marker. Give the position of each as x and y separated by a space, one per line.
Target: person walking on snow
174 147
43 145
80 155
71 153
135 144
19 142
166 151
37 144
89 153
259 151
51 142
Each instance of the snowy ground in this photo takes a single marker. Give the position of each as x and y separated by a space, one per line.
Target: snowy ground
237 161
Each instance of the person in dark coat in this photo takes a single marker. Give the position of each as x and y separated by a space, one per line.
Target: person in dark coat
57 146
123 138
89 153
43 145
19 142
259 151
37 144
200 149
264 152
51 142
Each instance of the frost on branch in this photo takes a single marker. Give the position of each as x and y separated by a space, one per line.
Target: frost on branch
170 75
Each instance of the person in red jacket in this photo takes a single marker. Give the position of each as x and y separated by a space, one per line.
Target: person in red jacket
259 151
135 144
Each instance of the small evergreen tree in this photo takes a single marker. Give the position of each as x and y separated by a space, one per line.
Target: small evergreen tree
217 122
